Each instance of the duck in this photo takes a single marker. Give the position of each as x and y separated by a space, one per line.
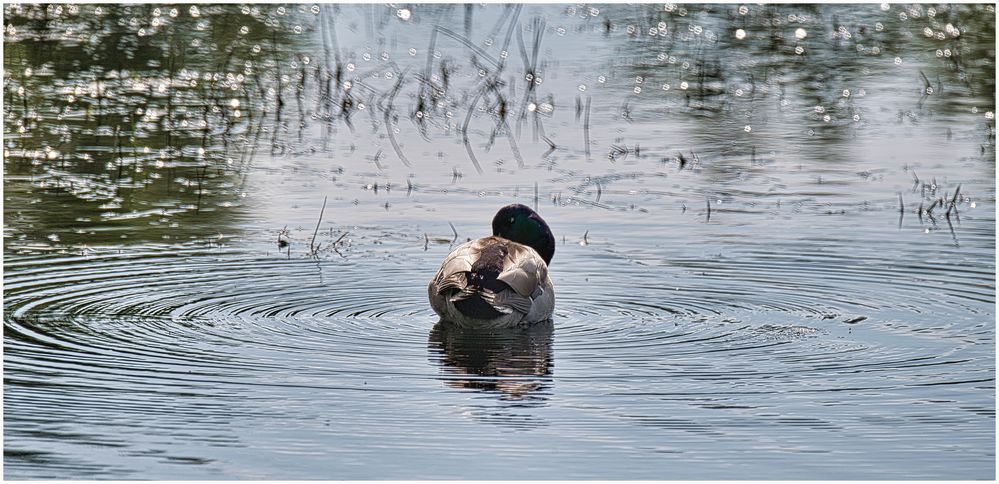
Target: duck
499 281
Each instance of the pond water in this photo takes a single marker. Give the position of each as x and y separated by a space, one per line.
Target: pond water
775 224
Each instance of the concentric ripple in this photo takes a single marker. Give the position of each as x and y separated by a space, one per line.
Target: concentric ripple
162 304
185 343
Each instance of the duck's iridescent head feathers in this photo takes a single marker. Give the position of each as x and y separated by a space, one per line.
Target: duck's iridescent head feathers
520 224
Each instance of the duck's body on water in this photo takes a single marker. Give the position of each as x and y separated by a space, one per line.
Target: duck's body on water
499 281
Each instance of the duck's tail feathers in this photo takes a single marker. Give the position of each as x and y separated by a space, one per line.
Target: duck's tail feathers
477 302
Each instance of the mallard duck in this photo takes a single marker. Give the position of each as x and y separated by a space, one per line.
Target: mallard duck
499 281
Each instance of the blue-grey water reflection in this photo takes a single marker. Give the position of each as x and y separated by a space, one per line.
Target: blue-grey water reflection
775 223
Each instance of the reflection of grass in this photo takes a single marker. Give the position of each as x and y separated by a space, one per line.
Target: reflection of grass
155 123
316 248
842 45
929 192
134 121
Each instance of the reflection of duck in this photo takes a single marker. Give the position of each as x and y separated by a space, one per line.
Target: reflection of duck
499 281
515 361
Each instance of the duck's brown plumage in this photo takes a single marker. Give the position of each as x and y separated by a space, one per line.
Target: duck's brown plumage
492 282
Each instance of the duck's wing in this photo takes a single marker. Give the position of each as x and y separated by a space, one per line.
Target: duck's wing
452 272
524 270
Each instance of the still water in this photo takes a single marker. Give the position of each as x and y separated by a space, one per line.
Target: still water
776 240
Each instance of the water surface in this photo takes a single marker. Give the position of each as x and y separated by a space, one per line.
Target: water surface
776 240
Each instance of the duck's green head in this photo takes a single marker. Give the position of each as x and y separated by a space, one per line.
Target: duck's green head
522 225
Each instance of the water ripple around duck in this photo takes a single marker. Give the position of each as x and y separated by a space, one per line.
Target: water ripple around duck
215 335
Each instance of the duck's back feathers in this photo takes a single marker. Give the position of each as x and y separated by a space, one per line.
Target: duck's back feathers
492 282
